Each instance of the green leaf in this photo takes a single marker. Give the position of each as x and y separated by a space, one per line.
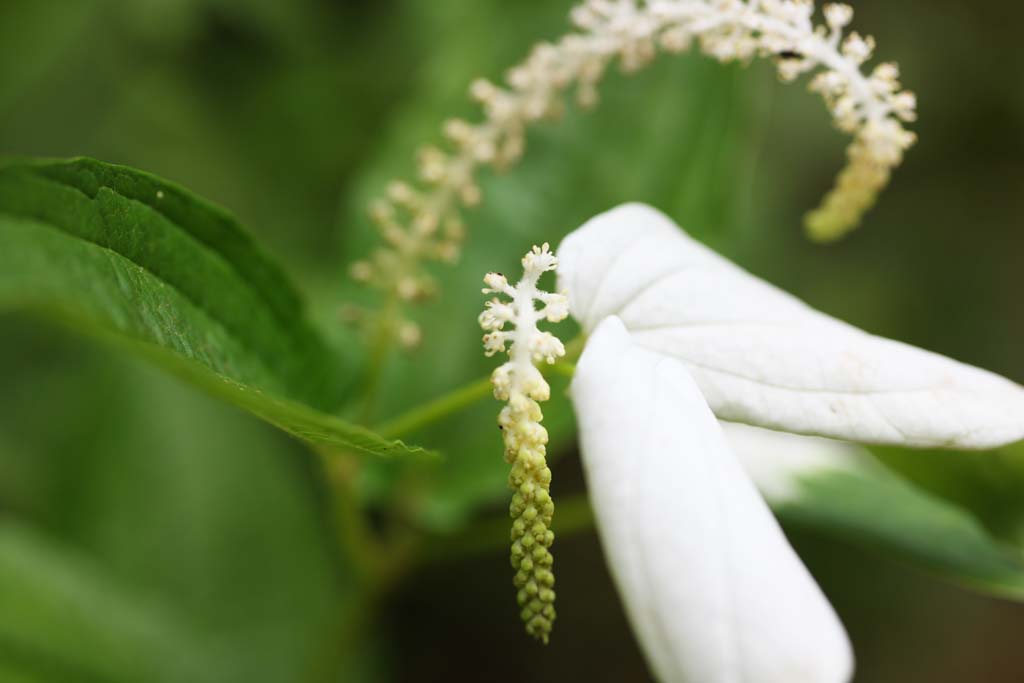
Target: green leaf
875 508
65 618
988 484
141 261
161 536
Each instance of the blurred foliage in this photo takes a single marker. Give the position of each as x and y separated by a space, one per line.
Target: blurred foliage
148 533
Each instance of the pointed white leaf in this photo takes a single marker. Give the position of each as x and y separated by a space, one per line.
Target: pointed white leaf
714 591
763 357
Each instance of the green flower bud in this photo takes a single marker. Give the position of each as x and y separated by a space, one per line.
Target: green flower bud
531 510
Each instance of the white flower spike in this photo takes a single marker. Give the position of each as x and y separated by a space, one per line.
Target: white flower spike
713 590
760 356
520 384
423 223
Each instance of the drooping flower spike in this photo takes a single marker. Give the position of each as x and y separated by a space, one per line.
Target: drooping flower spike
423 222
521 385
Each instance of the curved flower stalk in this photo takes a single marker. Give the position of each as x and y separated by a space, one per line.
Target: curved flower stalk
763 357
521 385
712 588
423 223
678 334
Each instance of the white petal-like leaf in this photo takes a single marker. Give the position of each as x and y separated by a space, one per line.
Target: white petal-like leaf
763 357
714 591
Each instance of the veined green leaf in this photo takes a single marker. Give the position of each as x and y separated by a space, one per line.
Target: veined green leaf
140 260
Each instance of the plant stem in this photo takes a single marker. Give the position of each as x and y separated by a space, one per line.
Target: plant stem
574 348
353 532
378 560
431 411
436 409
562 368
381 343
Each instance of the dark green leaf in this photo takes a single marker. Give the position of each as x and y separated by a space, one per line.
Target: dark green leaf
168 536
65 618
143 261
873 507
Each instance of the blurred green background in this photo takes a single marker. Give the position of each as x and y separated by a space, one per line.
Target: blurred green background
149 533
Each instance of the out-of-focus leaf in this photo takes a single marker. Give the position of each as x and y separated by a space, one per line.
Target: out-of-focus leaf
988 484
840 490
34 37
170 537
63 617
140 260
910 524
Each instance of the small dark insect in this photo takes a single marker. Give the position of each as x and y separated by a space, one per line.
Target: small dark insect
789 54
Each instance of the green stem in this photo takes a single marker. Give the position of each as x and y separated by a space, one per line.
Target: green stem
574 348
432 411
378 560
380 348
354 534
562 368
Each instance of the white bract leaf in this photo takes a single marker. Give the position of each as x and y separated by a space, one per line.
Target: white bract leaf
778 462
761 356
714 591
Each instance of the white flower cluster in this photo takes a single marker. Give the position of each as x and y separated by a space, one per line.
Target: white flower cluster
528 344
424 223
521 384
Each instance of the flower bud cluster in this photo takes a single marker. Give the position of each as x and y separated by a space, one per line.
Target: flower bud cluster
520 384
423 223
